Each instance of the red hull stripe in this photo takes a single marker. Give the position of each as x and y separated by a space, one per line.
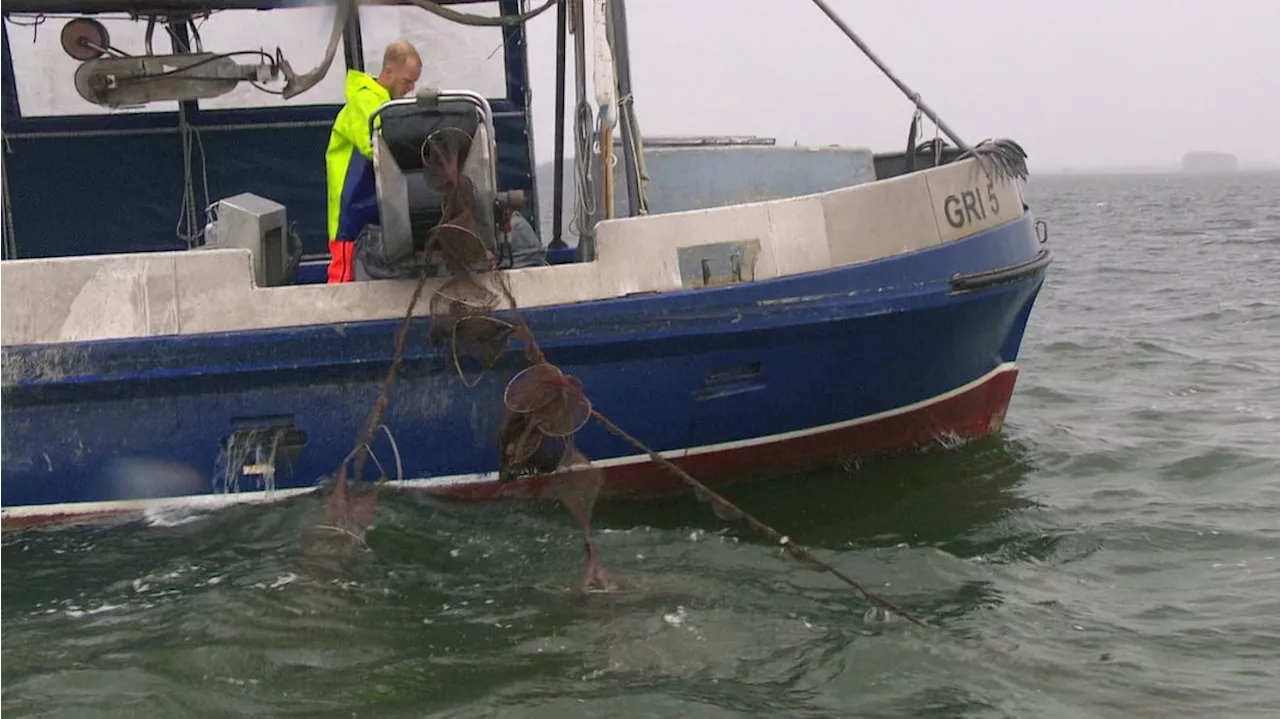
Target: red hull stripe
969 412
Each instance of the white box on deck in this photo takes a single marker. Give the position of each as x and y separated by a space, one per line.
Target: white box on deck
260 226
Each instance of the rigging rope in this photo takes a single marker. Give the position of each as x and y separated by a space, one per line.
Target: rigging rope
912 95
584 208
627 111
189 212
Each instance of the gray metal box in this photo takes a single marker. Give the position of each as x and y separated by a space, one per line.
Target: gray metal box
260 226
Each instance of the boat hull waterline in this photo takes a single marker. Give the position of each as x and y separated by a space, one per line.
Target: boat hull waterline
734 382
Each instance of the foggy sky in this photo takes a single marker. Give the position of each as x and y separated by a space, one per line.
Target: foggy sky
1079 83
1085 83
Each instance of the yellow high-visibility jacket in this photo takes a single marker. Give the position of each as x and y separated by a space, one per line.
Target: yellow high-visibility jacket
353 201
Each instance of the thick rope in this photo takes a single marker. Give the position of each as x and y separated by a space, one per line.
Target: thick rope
726 509
584 208
365 438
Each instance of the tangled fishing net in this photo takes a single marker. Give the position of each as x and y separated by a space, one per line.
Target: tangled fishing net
543 407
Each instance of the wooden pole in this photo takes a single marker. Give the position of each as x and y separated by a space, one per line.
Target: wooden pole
606 167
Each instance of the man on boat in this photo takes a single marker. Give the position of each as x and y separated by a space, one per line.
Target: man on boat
353 202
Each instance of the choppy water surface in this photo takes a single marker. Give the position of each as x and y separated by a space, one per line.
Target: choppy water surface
1114 553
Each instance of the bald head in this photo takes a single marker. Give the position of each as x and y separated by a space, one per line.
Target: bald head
398 52
401 67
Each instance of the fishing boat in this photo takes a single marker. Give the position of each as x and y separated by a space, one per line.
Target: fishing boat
746 309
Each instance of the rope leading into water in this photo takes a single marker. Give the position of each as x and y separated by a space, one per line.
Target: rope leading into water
727 510
360 452
723 507
538 408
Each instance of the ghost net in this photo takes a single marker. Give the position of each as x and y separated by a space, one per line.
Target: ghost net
543 408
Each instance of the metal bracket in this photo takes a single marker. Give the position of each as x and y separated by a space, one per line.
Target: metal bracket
718 264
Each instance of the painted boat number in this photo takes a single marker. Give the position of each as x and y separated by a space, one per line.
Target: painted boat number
971 206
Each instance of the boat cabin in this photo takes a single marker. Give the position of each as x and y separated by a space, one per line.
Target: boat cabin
173 125
117 141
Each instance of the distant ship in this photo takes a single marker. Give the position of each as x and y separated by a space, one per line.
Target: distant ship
1209 162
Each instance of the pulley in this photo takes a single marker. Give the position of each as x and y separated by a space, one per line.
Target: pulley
85 39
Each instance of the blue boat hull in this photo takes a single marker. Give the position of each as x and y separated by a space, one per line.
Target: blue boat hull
749 378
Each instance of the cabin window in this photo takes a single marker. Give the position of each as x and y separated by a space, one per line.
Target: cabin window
454 56
301 34
45 74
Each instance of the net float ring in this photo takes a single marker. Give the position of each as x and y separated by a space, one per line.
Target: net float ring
461 247
463 297
530 389
556 402
441 155
486 339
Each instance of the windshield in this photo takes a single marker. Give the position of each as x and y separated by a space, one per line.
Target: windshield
454 56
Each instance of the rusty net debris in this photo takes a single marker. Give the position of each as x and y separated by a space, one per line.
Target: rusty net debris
544 408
